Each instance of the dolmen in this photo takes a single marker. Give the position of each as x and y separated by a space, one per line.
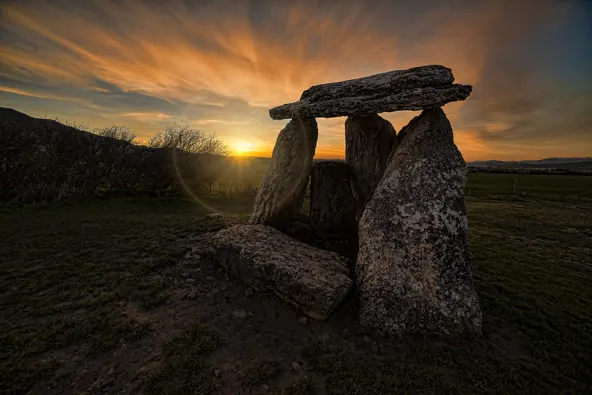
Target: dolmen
401 192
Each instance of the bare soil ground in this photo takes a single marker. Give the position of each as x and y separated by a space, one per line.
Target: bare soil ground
115 297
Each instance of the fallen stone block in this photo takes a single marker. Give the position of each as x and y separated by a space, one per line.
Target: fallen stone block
313 280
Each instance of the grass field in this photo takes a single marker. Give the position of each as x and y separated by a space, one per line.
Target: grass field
114 297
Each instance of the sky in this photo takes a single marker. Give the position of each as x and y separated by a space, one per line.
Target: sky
221 65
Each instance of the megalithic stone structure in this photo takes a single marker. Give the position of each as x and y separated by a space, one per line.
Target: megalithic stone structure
369 141
282 190
413 269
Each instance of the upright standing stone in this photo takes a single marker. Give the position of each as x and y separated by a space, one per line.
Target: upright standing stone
282 190
332 209
413 268
368 144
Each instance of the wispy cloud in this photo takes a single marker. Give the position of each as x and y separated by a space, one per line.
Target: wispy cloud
218 121
147 115
224 64
30 94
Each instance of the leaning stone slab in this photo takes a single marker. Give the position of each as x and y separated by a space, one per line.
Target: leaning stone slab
413 268
313 280
332 207
369 141
413 89
282 190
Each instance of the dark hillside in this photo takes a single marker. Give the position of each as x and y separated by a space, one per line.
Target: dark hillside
43 159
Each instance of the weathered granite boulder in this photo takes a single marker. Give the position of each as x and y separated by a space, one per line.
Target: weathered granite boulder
369 141
413 268
313 280
332 208
282 190
413 89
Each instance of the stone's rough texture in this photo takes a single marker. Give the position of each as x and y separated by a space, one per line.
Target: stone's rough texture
369 141
314 280
386 83
412 89
282 190
332 208
407 99
413 268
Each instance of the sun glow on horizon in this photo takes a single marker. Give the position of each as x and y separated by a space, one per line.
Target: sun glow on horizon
242 147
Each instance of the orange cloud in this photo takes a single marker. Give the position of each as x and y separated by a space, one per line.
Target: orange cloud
234 69
30 94
164 61
148 115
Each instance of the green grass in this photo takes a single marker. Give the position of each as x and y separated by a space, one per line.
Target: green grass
66 267
70 272
541 187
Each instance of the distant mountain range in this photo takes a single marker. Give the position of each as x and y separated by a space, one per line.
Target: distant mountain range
547 163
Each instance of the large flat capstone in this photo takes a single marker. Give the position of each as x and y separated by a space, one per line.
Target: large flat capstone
283 188
313 280
413 267
413 89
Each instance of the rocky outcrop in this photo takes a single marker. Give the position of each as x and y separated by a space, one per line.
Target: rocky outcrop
313 280
369 141
412 89
332 208
282 190
413 268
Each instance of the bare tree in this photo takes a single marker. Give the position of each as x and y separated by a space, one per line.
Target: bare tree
116 132
180 135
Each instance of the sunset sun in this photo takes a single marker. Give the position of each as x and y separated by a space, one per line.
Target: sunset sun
242 147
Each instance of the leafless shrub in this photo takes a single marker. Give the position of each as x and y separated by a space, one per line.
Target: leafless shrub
181 136
116 132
